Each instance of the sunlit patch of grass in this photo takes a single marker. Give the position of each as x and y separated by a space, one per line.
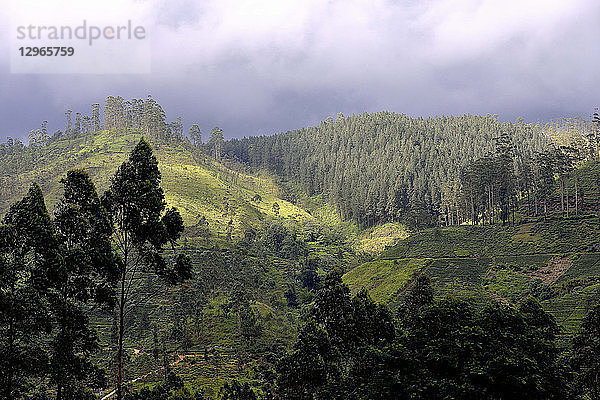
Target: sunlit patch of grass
383 279
374 240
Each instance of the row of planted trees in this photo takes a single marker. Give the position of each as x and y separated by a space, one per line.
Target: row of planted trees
494 188
54 269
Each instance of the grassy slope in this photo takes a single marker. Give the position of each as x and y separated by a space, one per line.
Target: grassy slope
384 279
193 183
375 240
558 261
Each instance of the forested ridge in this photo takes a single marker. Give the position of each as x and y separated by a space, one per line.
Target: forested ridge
378 167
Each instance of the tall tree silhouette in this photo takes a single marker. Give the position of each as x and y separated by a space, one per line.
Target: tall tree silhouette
29 264
142 227
216 142
83 230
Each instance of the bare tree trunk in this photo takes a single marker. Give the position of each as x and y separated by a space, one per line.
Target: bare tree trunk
122 321
562 202
120 348
576 197
567 198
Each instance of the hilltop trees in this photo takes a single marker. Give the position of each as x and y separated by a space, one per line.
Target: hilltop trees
136 115
380 167
384 167
544 180
95 118
501 184
489 184
68 114
216 142
195 135
142 227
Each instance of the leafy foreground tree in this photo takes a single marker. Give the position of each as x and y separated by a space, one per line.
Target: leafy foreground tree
333 354
29 264
51 272
455 351
87 275
136 206
349 348
586 354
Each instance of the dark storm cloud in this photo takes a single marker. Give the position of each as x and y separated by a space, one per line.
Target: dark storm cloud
264 67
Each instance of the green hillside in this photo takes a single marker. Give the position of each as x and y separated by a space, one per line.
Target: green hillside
263 247
194 183
378 167
557 261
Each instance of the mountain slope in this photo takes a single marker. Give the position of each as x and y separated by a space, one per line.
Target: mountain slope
557 261
377 167
197 317
194 183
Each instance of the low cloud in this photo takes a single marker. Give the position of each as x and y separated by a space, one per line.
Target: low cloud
257 67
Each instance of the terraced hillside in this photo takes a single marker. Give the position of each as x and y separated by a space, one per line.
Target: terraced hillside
557 261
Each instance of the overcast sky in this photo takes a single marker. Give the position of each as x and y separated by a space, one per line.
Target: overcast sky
261 67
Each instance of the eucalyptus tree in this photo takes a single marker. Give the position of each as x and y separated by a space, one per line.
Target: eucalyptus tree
195 135
546 167
95 117
77 126
69 122
87 278
142 227
216 142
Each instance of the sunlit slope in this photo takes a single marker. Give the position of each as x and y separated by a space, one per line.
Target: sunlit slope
195 184
557 261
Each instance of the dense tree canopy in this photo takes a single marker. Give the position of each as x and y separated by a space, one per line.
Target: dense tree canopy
29 265
351 348
378 167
